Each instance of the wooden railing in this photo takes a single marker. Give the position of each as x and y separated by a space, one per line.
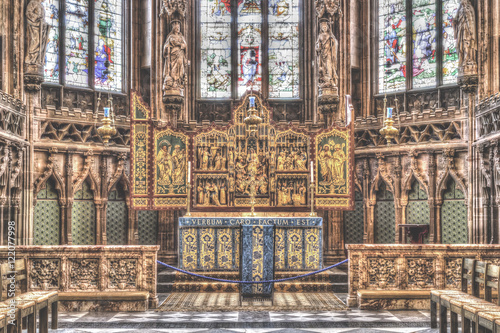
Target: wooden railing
402 267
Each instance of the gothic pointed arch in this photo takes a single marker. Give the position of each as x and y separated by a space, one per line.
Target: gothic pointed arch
120 177
381 176
51 172
88 173
450 172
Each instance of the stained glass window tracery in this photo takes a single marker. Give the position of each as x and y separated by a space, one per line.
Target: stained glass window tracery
398 57
222 21
83 64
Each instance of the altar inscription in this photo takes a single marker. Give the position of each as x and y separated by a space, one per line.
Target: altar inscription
289 222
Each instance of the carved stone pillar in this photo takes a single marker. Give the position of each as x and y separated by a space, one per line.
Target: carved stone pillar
100 220
438 237
431 171
133 232
366 199
397 196
66 238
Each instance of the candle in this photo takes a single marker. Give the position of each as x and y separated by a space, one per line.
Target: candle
312 172
189 172
252 101
106 112
389 112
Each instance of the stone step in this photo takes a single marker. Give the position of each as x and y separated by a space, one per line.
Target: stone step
326 277
229 287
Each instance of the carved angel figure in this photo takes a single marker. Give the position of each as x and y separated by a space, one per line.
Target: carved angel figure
465 34
37 33
327 50
174 52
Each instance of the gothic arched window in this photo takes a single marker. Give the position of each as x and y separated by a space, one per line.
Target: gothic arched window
249 43
80 44
416 44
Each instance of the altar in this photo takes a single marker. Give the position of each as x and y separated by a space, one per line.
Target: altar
257 247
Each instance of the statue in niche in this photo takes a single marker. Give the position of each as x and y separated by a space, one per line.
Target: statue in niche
465 34
327 51
37 31
174 69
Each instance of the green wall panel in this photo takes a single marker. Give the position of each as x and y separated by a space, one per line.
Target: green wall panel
147 227
116 219
83 217
354 222
454 215
47 217
385 217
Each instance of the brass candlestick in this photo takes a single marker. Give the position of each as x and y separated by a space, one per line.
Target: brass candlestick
188 213
389 132
313 213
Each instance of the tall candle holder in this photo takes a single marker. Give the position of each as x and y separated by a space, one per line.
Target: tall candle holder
188 212
311 189
312 213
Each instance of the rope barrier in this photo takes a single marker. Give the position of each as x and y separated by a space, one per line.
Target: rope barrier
252 282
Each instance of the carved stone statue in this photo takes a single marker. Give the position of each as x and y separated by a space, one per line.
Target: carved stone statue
174 52
37 33
465 34
327 52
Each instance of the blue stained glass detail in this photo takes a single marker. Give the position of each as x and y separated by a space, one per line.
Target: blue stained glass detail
108 44
77 40
51 68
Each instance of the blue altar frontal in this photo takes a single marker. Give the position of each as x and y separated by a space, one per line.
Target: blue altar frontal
257 247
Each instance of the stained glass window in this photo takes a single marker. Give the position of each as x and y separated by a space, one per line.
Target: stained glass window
424 43
392 45
108 44
423 59
76 25
222 21
283 48
249 45
450 55
215 48
77 42
51 70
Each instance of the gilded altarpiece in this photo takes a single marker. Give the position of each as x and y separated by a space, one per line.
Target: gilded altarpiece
334 168
228 163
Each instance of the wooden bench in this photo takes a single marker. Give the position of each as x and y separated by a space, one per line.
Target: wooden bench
392 299
467 274
476 313
28 304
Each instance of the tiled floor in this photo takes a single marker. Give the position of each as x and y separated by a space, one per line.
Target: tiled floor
256 322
